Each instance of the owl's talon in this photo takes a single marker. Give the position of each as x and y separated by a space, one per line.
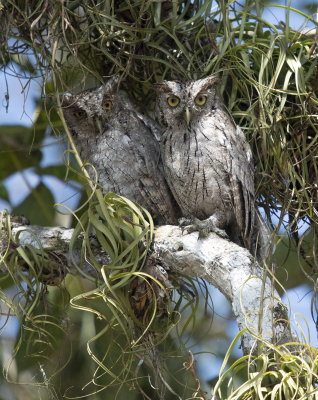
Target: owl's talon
184 224
203 227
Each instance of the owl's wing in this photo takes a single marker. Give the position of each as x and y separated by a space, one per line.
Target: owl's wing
261 239
158 191
151 188
153 127
241 175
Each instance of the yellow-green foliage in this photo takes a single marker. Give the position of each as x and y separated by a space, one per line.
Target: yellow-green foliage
278 373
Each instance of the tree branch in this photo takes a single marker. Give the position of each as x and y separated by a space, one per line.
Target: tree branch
227 266
235 272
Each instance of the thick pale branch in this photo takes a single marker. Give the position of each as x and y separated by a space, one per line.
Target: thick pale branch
234 271
227 266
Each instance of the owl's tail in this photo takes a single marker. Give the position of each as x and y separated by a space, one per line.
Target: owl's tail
261 238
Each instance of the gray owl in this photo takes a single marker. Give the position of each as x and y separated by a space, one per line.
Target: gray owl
121 144
208 162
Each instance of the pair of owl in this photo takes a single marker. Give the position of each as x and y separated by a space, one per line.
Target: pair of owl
196 164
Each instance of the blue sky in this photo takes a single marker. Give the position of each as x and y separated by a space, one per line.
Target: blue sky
22 111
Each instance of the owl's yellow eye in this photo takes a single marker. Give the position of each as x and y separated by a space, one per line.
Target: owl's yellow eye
79 114
107 105
200 99
173 101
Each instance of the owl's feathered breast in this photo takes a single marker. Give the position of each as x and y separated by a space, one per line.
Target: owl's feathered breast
194 164
207 159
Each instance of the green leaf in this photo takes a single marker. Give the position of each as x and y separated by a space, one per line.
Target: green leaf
6 281
38 207
18 149
4 193
24 63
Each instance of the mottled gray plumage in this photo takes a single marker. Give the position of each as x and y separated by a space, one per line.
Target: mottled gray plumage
121 144
207 160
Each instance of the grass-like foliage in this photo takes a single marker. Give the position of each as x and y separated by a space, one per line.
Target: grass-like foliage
269 83
133 312
279 372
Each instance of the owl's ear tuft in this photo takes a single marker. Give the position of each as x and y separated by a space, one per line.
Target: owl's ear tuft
112 85
159 87
66 99
163 87
210 82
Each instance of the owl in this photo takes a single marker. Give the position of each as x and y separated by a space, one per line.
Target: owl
207 161
122 145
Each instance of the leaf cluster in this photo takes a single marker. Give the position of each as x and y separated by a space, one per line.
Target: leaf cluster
287 372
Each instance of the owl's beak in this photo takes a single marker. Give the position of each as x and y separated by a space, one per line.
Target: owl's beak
187 116
98 125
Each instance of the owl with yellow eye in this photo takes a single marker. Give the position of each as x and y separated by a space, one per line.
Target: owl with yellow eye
208 163
122 145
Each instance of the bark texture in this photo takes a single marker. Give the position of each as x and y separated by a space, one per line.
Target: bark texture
230 268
